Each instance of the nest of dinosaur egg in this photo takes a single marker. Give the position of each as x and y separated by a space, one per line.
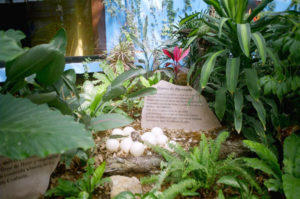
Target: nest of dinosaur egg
136 142
142 139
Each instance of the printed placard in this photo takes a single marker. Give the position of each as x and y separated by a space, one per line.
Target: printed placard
178 107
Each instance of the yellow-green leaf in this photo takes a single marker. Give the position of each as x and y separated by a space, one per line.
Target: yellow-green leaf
220 102
222 21
232 73
238 106
252 83
261 45
259 107
208 67
244 35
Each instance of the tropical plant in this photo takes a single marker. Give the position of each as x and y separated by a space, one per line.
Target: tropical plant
286 182
83 187
197 170
37 74
111 89
151 59
35 77
177 55
246 49
123 52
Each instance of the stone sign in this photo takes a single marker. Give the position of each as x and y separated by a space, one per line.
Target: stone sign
25 179
177 107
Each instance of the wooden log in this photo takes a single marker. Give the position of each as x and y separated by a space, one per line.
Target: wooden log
151 163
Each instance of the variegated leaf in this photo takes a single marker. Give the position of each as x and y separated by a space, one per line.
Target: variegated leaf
244 36
208 67
261 45
232 73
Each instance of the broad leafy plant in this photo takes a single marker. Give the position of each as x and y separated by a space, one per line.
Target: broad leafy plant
112 88
285 181
83 187
35 77
237 42
200 169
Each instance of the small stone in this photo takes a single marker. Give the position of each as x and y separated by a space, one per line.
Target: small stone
123 183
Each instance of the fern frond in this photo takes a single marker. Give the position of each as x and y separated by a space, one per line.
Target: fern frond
167 155
161 177
179 188
215 147
238 170
149 180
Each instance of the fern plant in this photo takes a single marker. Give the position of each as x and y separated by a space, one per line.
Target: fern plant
286 181
198 169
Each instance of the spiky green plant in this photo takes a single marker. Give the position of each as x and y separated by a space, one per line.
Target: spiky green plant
198 169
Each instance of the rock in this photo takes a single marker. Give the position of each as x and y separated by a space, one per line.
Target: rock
123 183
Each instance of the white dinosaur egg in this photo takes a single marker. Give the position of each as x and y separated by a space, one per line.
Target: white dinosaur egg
128 130
149 138
137 149
117 132
157 131
126 144
161 139
112 145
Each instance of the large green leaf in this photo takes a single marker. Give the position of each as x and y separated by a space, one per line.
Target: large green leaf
52 71
291 154
59 41
220 102
238 106
42 98
143 92
244 36
208 67
108 121
31 62
252 83
28 129
291 186
259 107
113 92
232 73
240 7
127 75
260 43
15 34
9 48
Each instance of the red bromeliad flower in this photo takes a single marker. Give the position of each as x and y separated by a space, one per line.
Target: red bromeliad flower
177 55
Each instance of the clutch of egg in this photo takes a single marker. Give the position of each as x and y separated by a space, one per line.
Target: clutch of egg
126 144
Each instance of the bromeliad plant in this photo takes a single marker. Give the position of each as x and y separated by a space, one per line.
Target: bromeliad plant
177 55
